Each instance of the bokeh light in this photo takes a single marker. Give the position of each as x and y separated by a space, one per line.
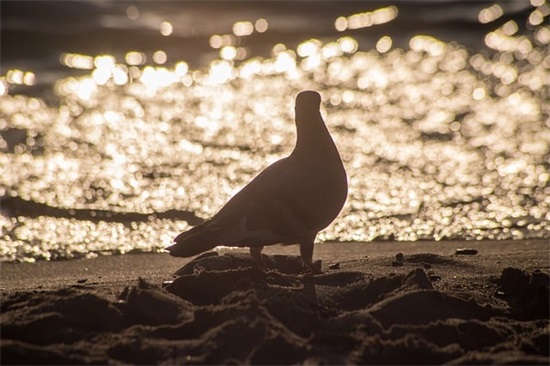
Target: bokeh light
132 12
439 142
261 25
490 14
366 19
135 58
243 28
384 44
160 57
166 28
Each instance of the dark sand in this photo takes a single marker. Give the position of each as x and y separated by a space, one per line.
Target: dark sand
367 307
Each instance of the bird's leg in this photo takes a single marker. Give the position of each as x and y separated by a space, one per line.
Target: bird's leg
306 252
256 253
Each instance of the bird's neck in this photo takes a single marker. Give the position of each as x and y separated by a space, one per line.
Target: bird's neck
313 139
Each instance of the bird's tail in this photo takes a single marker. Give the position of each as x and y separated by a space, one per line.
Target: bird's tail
195 241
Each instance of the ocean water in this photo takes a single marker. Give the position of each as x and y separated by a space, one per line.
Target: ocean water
124 123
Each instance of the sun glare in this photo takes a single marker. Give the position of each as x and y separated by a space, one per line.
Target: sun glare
455 141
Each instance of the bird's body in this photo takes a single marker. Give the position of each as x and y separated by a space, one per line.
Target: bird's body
287 203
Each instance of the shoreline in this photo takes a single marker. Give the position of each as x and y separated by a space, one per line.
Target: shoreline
120 270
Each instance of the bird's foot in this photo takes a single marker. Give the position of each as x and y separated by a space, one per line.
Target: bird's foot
256 253
312 267
306 253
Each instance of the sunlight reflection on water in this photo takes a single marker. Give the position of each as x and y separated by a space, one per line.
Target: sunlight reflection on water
438 143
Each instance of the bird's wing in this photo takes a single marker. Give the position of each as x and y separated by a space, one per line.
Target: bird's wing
266 211
270 209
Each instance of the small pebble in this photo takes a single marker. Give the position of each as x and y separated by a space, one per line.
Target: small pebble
334 266
399 258
82 280
466 251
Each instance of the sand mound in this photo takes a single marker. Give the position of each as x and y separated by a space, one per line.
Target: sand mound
222 309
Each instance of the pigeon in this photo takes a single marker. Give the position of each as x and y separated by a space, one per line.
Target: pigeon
287 203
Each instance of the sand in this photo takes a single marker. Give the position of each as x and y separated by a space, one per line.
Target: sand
374 303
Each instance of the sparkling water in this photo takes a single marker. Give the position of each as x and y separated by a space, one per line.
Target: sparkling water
439 142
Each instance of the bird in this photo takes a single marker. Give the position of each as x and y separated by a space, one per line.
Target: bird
289 202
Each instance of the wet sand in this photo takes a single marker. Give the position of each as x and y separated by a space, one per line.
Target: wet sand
429 305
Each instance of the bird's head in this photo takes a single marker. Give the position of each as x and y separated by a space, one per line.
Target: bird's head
307 103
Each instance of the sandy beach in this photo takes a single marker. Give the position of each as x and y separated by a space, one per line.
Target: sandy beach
381 303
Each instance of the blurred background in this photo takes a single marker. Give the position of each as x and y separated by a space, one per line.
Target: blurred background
36 33
125 122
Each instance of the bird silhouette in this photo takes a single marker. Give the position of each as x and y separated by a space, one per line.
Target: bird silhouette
287 203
